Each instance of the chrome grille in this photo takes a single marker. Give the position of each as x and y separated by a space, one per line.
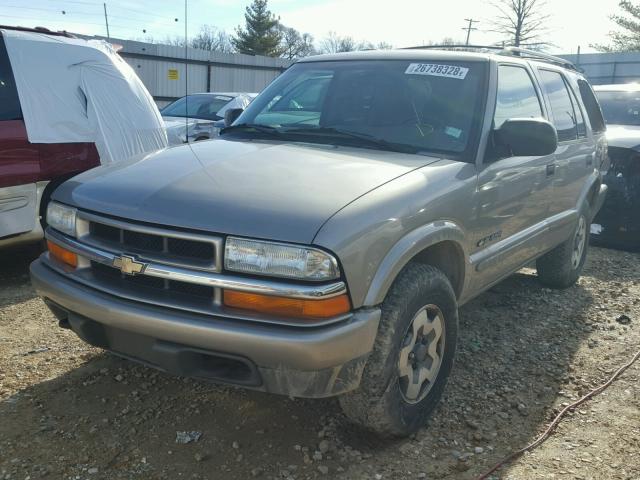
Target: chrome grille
115 278
182 249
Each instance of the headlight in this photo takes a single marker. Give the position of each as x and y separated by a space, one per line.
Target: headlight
62 218
279 260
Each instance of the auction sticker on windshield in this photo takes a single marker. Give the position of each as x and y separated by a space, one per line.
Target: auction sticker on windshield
433 69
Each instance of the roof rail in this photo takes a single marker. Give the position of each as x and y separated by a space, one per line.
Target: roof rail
501 50
455 47
532 54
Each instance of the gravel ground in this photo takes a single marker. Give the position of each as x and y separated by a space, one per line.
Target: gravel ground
69 411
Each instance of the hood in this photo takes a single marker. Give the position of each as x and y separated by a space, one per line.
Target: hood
278 191
623 136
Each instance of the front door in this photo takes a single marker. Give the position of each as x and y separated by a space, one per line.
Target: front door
513 192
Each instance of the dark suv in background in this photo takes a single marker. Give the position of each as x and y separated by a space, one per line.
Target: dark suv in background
618 222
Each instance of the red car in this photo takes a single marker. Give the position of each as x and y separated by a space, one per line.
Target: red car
29 172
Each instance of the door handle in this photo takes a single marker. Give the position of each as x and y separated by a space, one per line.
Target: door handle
551 169
590 159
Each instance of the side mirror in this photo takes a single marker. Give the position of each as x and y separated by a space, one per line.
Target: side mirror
231 115
528 137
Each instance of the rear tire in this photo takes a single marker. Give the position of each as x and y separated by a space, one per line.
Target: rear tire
408 368
561 267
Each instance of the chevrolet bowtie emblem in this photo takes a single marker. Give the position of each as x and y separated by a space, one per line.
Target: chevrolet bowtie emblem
129 265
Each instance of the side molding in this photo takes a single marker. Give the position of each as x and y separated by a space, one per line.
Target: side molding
404 250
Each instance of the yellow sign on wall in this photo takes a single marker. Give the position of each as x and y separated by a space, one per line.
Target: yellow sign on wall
172 74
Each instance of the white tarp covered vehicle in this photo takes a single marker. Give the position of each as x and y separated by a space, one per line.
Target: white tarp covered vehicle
74 90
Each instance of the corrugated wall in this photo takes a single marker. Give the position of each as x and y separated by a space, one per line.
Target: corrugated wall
162 68
608 68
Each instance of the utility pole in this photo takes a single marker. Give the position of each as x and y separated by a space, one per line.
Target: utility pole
469 27
106 20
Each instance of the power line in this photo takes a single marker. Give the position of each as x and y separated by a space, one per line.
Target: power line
32 21
94 14
120 8
470 27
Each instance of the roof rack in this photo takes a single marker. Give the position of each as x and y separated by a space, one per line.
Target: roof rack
532 54
506 51
62 33
455 47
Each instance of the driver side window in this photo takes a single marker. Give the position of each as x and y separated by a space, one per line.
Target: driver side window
516 98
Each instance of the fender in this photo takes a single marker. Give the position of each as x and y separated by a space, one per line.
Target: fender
405 249
594 182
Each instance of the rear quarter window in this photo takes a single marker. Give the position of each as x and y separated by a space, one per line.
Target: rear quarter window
592 107
9 102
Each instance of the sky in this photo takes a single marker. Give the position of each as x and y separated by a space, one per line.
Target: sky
402 23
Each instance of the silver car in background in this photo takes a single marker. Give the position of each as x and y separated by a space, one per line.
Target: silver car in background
200 116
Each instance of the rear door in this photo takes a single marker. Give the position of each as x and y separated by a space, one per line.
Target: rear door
576 150
19 160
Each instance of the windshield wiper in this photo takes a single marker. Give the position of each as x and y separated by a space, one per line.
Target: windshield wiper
364 137
256 127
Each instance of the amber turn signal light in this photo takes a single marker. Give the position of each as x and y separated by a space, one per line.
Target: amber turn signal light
62 254
288 307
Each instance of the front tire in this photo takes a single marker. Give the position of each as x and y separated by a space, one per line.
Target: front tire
561 267
412 357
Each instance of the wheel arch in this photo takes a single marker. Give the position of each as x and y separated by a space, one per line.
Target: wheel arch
590 195
48 191
439 244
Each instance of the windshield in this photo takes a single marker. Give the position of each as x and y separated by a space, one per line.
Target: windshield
620 108
430 107
197 106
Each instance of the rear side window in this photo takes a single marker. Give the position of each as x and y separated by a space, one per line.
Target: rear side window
564 117
9 102
593 108
582 128
516 96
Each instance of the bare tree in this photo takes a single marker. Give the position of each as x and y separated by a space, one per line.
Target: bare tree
522 22
445 41
176 41
212 39
334 43
294 44
383 46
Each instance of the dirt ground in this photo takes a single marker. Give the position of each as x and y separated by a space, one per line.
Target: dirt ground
69 411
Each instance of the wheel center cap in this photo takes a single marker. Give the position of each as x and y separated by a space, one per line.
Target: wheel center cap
421 352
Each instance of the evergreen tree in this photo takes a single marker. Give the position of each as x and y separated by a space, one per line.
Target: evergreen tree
629 38
261 35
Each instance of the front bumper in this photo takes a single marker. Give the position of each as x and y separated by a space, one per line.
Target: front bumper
295 361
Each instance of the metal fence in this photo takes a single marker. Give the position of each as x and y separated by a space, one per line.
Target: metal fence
170 72
607 68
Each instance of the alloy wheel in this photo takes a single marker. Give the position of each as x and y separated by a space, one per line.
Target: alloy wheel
421 353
